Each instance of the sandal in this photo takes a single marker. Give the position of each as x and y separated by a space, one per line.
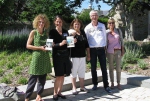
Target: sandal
75 93
119 87
84 90
39 99
112 85
55 97
62 96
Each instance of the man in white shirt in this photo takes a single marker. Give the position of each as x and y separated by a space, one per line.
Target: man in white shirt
96 35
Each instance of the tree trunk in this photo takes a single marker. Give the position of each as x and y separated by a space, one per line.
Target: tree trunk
148 25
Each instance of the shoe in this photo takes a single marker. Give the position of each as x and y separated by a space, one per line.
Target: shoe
94 87
112 86
62 96
75 93
108 90
84 90
55 97
119 87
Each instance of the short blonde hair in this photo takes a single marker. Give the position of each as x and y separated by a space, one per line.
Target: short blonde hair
44 17
110 20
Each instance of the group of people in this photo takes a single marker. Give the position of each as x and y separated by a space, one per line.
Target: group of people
92 42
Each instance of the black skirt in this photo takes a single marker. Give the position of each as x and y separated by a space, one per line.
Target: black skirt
61 63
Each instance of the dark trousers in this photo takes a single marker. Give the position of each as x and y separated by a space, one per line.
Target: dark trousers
100 53
41 79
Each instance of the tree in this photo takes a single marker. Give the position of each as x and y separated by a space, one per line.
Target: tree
13 11
130 8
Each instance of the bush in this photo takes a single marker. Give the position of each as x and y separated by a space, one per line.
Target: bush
133 52
1 71
142 64
12 39
146 48
6 80
22 80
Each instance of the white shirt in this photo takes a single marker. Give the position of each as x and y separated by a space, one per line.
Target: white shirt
96 35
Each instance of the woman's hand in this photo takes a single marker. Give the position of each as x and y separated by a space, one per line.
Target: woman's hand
42 48
75 40
74 33
88 58
122 52
63 43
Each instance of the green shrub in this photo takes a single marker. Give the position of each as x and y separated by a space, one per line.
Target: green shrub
17 70
142 64
6 80
12 39
146 48
133 52
1 71
11 64
124 64
22 80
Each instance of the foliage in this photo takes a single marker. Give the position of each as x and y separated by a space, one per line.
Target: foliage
13 11
85 18
133 52
14 39
142 64
22 80
6 80
17 68
1 71
146 48
23 59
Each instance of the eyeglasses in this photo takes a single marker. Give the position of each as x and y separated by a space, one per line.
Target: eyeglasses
111 23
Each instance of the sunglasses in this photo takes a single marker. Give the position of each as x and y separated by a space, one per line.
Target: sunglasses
111 23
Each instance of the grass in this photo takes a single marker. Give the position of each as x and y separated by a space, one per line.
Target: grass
15 64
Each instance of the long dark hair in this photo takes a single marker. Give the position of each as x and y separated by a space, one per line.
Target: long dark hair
58 16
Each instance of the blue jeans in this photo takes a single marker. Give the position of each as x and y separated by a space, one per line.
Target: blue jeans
100 53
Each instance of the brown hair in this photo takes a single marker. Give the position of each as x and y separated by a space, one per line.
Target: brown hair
76 20
60 17
44 17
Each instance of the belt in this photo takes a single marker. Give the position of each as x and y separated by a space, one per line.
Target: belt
117 49
65 50
98 47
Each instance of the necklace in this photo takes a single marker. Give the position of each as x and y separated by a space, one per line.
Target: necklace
59 30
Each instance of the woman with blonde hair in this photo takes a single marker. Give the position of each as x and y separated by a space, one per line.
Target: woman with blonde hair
40 64
115 50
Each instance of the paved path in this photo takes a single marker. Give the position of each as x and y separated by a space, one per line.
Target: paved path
129 93
135 88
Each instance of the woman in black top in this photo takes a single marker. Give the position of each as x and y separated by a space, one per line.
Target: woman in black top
78 54
60 56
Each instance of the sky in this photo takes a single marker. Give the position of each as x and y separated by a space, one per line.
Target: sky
86 4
